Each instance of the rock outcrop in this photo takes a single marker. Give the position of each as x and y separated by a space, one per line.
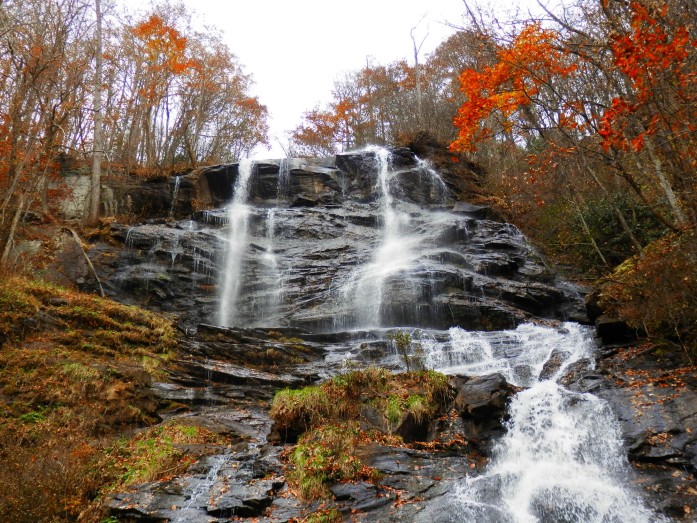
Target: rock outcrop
310 270
309 239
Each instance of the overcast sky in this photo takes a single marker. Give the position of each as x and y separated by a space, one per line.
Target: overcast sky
295 49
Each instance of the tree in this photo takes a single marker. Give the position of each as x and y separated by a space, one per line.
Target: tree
44 62
98 149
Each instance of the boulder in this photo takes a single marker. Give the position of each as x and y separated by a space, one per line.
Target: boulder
481 402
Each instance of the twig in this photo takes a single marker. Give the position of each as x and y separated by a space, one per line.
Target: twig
89 262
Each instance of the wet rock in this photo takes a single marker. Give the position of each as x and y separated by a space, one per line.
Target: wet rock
654 398
478 211
306 269
612 330
481 402
361 495
412 482
242 499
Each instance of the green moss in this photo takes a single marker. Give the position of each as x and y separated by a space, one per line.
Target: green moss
15 306
418 407
393 411
344 396
33 417
329 415
79 372
324 456
332 515
152 453
306 406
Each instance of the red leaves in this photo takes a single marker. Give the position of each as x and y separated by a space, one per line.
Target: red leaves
163 44
653 53
523 68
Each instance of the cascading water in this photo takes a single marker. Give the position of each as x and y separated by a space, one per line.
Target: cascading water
438 189
175 192
394 254
562 457
283 185
238 212
200 490
275 282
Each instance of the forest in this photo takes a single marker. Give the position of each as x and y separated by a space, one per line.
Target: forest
584 120
578 125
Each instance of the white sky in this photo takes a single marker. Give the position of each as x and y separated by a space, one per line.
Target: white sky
295 49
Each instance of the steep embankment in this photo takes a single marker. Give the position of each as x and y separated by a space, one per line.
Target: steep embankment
76 374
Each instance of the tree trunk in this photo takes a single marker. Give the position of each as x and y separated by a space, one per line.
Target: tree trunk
98 149
13 227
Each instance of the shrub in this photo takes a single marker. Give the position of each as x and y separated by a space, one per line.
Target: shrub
657 293
331 515
323 456
329 415
411 352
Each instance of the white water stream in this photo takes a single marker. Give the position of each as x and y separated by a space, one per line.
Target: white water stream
270 260
175 191
238 212
199 494
392 256
562 457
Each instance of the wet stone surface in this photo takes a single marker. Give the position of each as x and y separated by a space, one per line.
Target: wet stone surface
303 264
313 294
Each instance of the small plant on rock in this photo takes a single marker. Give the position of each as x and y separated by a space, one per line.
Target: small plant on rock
411 352
323 456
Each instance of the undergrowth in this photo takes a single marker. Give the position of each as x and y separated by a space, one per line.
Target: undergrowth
328 417
657 292
75 370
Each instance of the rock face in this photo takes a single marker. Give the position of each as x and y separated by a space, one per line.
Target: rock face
481 402
655 400
315 236
336 254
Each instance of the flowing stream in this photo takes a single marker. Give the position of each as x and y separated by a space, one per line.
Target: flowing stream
238 224
562 457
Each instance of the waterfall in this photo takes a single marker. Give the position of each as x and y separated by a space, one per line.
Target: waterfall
175 191
562 457
403 247
283 186
238 212
438 191
392 256
273 276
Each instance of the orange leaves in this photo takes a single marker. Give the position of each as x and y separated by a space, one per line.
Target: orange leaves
523 68
318 134
650 49
654 54
165 47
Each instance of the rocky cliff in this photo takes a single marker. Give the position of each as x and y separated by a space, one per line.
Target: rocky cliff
339 258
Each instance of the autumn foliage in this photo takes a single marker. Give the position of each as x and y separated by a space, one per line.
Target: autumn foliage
506 88
588 131
172 97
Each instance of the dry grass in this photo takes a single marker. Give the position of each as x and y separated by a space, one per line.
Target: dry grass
75 370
